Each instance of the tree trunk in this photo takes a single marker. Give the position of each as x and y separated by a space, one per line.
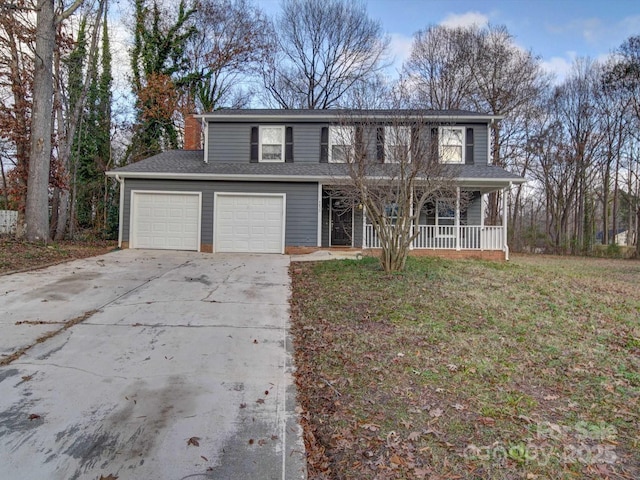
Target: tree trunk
37 209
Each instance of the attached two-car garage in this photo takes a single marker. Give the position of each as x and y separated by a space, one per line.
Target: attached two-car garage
242 222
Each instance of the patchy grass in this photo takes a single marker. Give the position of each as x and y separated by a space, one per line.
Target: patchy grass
467 369
16 255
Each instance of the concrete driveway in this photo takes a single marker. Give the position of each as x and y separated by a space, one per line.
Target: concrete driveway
174 365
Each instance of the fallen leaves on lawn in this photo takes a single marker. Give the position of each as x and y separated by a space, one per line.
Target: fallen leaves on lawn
379 368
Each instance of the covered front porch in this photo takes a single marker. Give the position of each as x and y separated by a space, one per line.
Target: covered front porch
449 227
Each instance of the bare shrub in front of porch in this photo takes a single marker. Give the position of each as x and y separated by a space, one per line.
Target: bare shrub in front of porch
394 171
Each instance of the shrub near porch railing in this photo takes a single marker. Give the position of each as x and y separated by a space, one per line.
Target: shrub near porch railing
440 237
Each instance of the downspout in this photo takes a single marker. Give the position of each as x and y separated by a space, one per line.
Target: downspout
205 126
120 210
505 221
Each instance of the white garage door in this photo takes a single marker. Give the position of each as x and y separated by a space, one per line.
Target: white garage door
163 220
249 223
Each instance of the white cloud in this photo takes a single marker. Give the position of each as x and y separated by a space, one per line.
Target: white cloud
468 19
559 67
630 25
399 50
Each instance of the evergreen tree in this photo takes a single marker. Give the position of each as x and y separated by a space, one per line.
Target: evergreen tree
159 72
92 148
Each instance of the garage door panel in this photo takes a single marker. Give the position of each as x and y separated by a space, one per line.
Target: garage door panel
249 223
166 220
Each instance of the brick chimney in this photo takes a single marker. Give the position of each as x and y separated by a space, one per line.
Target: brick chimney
192 133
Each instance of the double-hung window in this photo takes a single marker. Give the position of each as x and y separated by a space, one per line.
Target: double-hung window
445 217
451 144
397 144
341 144
391 211
271 144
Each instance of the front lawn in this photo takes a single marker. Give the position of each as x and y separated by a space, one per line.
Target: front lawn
468 369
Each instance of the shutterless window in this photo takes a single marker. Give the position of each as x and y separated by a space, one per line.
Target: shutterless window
272 144
451 144
445 212
341 140
391 212
397 144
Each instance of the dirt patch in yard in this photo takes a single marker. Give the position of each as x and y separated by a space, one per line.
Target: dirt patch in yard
17 255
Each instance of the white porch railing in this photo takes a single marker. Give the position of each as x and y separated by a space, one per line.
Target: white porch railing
450 237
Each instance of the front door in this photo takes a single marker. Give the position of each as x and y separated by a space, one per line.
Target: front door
341 223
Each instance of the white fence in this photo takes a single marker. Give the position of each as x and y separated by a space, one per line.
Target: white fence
8 221
440 237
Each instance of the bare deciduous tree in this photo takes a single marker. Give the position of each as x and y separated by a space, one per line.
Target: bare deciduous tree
394 181
233 39
16 81
476 68
37 208
439 67
325 47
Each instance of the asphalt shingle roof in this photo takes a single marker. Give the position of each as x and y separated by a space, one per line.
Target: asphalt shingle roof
190 162
345 112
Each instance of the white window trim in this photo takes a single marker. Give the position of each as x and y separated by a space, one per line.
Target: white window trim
389 134
448 201
349 130
462 146
282 149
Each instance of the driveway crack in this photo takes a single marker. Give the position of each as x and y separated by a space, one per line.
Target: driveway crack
205 299
76 320
67 367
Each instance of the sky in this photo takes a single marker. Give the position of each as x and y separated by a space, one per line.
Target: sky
556 30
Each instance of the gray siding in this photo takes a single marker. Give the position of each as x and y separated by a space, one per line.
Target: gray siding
357 228
306 143
480 137
301 211
474 209
325 221
231 142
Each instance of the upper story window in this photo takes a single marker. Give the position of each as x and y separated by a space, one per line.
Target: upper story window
272 144
341 142
397 141
451 144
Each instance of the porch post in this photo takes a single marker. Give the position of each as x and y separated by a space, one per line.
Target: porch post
483 198
457 218
319 235
505 221
365 243
411 247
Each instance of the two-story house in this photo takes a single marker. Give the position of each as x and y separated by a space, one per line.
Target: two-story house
261 181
